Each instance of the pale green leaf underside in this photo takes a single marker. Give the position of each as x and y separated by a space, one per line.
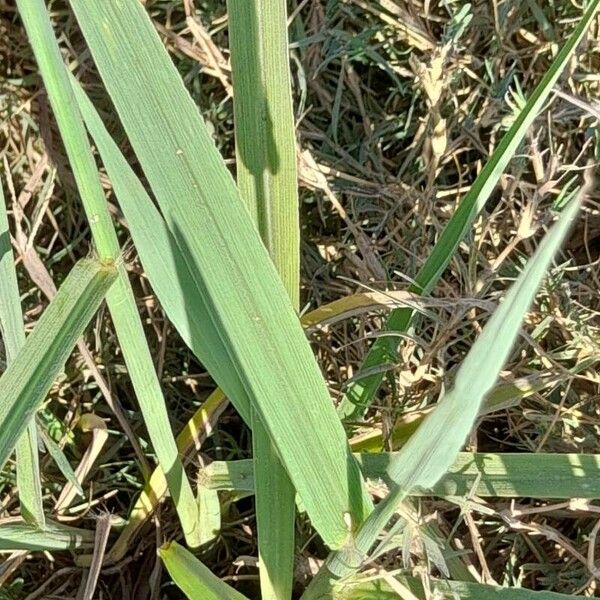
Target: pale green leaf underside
194 579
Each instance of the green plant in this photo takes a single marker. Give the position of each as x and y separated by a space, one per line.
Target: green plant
224 262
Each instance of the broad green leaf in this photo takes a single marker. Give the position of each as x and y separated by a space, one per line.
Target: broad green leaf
25 383
13 337
195 580
120 298
196 428
18 535
362 390
265 145
244 297
163 262
504 475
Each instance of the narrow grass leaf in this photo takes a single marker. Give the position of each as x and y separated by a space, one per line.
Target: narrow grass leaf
503 475
361 391
18 535
25 383
58 456
229 264
428 453
433 447
120 298
194 579
377 588
13 337
265 145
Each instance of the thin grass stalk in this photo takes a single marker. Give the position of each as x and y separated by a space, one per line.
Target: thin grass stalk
29 484
361 392
267 180
120 299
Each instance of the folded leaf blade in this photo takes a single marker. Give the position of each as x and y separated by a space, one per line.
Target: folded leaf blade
28 379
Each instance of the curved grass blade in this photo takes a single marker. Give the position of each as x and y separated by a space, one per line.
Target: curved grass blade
195 580
13 336
229 264
120 298
361 391
25 383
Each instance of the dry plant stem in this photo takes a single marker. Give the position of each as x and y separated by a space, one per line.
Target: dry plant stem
100 541
120 297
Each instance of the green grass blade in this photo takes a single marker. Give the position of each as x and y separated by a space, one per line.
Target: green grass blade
265 144
163 262
120 299
13 336
379 589
230 266
58 456
430 451
488 475
11 317
275 518
265 140
25 383
360 393
209 514
17 535
195 580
